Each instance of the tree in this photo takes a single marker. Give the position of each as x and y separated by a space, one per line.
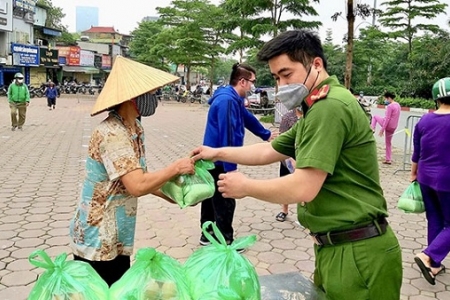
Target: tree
143 47
54 15
399 16
240 16
335 56
362 10
277 9
184 42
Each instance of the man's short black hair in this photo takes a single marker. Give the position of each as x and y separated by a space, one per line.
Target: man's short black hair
240 71
299 45
389 95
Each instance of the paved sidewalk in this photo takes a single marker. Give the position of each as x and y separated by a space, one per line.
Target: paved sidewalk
42 167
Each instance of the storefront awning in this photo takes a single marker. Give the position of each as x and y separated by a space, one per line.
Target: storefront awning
78 69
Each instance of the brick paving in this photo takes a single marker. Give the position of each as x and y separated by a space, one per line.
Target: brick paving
43 165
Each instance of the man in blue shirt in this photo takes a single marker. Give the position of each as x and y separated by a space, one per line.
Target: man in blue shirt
227 120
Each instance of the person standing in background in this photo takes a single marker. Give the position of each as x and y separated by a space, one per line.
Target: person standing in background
19 99
388 124
51 93
287 166
431 168
227 120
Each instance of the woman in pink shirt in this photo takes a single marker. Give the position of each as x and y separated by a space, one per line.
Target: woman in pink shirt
388 124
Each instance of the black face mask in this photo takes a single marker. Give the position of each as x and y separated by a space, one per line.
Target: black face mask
146 104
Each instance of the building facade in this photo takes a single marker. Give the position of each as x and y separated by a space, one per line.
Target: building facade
86 17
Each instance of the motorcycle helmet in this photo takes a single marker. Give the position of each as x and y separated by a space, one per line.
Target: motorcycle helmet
441 89
18 76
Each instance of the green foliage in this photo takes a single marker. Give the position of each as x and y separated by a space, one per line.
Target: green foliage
268 119
144 48
263 75
54 15
412 102
400 16
276 9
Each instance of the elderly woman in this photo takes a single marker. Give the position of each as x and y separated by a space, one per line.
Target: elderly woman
102 230
431 168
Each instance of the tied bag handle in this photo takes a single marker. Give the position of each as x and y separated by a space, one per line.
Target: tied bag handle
45 262
240 243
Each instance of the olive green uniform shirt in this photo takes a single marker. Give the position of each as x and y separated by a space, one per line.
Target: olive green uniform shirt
334 136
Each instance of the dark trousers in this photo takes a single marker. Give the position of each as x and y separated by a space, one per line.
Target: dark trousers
284 170
110 270
51 101
219 209
437 211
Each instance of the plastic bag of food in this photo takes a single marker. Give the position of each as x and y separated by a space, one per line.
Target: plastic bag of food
188 190
219 272
153 276
66 280
411 200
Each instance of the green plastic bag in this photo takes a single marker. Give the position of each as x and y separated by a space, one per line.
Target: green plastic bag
66 280
218 272
188 190
411 200
153 276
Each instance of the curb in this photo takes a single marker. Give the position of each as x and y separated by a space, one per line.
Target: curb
411 109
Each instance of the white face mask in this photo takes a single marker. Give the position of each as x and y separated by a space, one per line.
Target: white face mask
19 80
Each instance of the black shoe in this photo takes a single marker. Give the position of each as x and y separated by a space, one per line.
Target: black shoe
204 241
241 250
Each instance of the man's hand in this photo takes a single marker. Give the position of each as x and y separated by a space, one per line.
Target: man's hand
28 103
232 185
274 134
381 133
204 152
413 177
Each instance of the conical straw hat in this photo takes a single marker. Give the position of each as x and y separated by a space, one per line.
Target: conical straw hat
127 80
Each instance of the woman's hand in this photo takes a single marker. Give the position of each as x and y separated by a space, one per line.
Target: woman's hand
185 166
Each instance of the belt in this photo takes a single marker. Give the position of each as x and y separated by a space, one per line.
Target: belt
377 228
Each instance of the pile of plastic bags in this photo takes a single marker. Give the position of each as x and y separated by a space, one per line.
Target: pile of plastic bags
214 272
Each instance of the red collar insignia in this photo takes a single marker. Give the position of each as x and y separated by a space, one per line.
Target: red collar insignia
317 95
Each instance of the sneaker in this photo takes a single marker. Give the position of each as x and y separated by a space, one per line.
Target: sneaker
204 241
240 250
20 128
49 108
13 128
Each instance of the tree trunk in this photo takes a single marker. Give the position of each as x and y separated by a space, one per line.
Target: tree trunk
188 78
350 34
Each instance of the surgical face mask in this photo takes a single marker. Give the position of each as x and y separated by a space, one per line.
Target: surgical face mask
19 80
252 88
386 102
292 95
146 104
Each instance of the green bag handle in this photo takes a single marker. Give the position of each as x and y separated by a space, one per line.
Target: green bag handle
205 164
46 261
146 254
240 243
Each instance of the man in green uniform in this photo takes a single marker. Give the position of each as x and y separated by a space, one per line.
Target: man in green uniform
19 99
336 182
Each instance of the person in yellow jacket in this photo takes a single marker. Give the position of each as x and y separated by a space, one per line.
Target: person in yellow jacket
19 99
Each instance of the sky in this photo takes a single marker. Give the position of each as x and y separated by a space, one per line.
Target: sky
125 15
